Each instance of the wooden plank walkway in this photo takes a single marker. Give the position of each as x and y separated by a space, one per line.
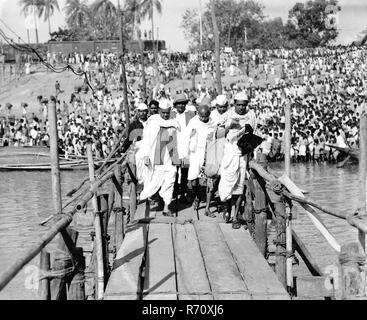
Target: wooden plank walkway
191 257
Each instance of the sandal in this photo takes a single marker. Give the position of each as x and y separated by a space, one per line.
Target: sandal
196 204
226 217
210 214
236 225
168 214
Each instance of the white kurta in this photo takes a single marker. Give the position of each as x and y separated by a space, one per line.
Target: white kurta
233 168
158 177
196 135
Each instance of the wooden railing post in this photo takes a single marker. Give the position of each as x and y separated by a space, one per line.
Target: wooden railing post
98 232
62 261
54 154
287 158
260 214
281 251
77 285
103 209
352 260
119 229
44 284
363 175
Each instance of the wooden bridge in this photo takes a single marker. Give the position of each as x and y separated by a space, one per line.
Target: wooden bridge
191 257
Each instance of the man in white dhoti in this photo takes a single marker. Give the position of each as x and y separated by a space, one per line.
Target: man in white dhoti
159 151
183 117
233 168
195 142
218 117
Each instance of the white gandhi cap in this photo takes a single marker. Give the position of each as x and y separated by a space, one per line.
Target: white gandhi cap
165 104
142 106
221 100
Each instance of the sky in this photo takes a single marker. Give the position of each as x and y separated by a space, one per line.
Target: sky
352 19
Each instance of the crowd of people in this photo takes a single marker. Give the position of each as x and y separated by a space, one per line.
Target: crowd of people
326 87
173 133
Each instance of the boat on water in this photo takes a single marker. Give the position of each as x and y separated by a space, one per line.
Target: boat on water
351 155
353 152
38 159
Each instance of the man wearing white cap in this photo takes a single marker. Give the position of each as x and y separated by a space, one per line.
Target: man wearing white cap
215 147
233 168
137 126
219 115
159 151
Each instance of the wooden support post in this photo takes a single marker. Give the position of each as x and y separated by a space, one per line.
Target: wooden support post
132 194
119 229
306 256
55 168
260 208
281 252
287 158
44 284
363 175
103 209
77 285
62 261
98 232
287 139
352 259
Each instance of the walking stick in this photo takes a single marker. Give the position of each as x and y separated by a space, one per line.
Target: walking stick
177 195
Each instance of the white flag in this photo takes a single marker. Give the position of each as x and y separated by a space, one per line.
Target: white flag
31 20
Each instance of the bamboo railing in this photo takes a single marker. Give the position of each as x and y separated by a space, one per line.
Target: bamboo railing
64 278
280 193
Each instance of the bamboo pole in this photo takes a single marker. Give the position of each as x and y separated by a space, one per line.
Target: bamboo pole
363 175
302 200
124 80
312 214
217 48
97 229
18 265
289 245
306 256
63 222
44 284
55 165
352 260
77 285
260 217
104 210
62 260
118 235
280 219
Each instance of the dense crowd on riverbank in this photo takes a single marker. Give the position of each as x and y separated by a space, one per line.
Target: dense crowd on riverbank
326 87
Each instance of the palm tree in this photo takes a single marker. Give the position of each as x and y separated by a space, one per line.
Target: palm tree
132 6
28 6
77 13
107 11
147 10
47 9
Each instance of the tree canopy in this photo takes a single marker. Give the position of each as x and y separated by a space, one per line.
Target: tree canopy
243 24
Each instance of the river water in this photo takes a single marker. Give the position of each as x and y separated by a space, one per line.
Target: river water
25 200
